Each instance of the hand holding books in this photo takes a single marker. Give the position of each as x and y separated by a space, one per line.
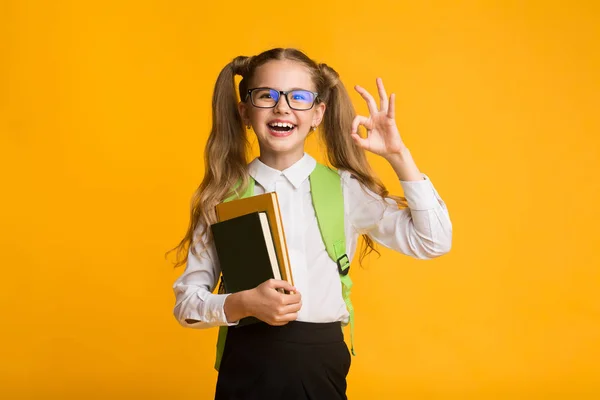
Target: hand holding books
265 303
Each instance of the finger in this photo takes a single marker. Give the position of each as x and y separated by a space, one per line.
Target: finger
291 308
291 317
368 98
361 142
291 298
277 322
383 99
287 317
392 110
360 120
279 284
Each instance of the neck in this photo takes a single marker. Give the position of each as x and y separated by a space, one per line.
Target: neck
280 161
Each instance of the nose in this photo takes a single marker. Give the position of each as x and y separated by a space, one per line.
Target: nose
282 105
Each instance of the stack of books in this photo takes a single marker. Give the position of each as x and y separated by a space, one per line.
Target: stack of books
250 242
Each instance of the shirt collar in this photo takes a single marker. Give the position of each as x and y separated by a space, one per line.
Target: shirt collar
296 173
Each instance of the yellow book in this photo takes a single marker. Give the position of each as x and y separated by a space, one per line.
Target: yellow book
268 203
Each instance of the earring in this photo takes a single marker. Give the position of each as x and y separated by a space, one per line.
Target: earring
248 126
313 128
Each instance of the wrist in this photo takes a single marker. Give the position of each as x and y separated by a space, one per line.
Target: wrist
235 306
244 298
399 156
404 165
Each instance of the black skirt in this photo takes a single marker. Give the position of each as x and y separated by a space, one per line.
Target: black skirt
300 360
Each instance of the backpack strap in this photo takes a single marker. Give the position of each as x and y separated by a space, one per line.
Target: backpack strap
328 201
223 329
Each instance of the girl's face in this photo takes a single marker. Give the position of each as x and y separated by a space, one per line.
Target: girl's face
281 130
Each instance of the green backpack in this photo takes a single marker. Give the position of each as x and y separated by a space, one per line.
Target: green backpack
328 201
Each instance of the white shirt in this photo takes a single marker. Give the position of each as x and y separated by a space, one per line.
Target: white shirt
423 230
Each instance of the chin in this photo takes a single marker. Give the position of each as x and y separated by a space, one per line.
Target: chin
284 149
282 144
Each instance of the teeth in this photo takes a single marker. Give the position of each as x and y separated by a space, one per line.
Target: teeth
282 124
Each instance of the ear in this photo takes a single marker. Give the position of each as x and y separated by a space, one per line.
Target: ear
243 110
319 113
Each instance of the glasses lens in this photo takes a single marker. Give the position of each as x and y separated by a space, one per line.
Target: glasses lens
301 99
265 97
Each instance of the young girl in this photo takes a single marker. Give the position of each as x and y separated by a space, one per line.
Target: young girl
298 351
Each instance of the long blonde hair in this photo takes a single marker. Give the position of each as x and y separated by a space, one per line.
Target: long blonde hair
227 148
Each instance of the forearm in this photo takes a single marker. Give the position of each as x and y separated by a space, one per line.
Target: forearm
404 165
235 306
424 230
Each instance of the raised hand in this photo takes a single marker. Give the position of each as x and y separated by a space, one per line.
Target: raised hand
383 137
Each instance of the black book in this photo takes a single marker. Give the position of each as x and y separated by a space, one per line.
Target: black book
246 252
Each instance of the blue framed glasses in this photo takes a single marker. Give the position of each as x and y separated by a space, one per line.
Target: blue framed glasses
298 99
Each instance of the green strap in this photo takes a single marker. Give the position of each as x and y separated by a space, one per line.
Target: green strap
328 200
247 193
223 329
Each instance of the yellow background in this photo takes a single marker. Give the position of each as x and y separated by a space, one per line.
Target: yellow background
104 113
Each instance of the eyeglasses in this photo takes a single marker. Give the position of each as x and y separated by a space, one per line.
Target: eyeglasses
268 98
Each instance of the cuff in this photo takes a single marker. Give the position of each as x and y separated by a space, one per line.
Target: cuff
214 310
420 195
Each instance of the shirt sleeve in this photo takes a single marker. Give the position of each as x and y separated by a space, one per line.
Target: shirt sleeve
423 230
195 304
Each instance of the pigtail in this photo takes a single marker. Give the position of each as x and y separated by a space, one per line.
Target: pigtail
224 159
225 152
342 151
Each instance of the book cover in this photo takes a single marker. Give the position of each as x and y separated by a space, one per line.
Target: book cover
246 253
269 204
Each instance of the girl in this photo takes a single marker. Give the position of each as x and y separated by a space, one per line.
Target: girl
298 351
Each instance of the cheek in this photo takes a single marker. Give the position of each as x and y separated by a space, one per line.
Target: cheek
257 115
306 118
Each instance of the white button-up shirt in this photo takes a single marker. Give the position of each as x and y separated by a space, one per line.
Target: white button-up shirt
423 230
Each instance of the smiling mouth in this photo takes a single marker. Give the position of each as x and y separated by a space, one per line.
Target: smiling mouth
281 128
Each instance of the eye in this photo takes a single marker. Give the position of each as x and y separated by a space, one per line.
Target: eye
266 94
302 95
